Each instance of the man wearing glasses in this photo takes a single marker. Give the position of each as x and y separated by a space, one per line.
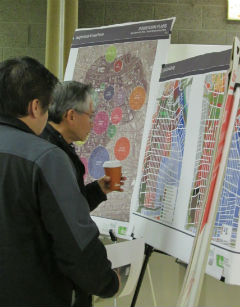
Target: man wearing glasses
70 120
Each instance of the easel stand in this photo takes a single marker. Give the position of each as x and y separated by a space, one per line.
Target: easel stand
148 252
114 239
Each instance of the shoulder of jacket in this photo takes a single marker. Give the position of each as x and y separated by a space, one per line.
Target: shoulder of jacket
51 153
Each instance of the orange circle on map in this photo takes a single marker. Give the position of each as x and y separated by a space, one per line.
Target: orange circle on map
137 98
122 148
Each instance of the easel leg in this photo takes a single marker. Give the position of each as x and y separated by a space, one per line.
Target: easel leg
114 239
151 285
148 252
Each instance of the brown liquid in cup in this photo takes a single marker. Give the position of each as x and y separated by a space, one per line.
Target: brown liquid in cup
115 173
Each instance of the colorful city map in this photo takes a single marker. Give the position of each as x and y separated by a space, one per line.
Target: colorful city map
164 152
178 158
226 224
120 75
227 219
213 96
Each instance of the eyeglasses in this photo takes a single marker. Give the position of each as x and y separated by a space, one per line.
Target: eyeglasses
88 114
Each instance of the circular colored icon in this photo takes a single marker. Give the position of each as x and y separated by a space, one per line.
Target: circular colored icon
208 85
111 54
118 65
102 86
108 93
101 121
116 116
137 98
112 129
119 96
85 163
95 163
122 148
94 96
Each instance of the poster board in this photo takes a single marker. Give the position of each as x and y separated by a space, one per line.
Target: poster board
83 65
123 63
167 216
191 288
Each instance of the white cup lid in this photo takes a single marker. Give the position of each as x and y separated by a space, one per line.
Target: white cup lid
112 163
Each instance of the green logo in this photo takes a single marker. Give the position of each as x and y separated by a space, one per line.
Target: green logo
122 230
220 261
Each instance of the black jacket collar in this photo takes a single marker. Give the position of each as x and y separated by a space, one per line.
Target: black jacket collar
59 139
14 122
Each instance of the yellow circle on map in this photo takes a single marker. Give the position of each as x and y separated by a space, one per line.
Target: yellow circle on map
137 98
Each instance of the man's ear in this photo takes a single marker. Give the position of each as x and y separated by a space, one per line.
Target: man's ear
34 108
70 115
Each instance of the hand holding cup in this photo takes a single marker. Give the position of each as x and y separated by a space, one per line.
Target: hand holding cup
113 169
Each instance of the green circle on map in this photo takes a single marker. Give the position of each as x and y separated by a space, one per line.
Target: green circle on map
94 96
111 54
112 131
102 86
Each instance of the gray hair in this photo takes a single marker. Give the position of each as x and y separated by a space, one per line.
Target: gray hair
69 95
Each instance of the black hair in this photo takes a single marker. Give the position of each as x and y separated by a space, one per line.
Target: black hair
22 80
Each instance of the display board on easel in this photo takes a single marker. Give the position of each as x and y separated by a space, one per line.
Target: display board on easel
173 180
218 195
123 63
122 73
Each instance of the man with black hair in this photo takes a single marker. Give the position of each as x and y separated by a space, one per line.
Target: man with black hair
69 120
48 244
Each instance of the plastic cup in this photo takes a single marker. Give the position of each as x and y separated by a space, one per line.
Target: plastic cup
113 169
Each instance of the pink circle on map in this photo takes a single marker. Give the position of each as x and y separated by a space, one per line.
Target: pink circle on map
119 96
101 121
116 116
118 65
85 163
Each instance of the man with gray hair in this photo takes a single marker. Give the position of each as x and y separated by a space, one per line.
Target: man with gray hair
70 120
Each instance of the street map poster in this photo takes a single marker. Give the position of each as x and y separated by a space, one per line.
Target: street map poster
175 162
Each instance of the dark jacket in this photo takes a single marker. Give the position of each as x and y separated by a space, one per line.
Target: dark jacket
48 243
91 191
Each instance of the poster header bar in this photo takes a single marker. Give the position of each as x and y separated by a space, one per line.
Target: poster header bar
215 61
156 29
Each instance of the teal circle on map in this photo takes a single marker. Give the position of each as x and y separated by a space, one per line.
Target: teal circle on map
111 54
112 129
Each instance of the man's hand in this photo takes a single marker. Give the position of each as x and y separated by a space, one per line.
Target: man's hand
104 183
